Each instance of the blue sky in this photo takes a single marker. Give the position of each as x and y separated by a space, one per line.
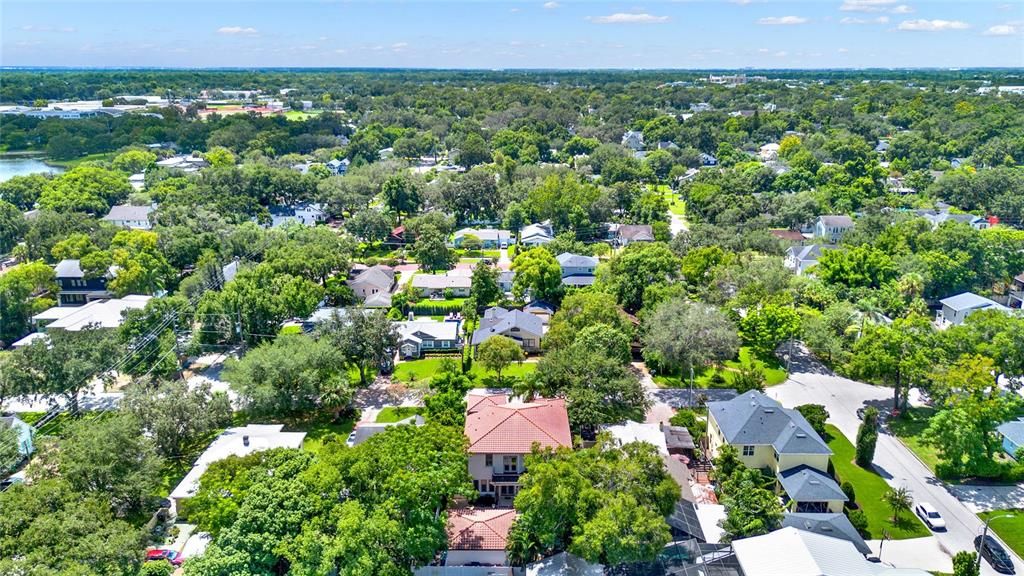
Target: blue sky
539 34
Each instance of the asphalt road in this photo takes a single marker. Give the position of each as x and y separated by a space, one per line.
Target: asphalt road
842 398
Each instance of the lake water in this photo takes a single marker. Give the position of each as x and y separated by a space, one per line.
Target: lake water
11 166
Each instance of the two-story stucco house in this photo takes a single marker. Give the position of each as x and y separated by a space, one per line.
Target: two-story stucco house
501 432
780 440
832 227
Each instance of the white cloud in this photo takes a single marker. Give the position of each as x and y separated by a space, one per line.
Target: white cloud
237 31
628 18
854 20
514 10
782 20
902 9
341 51
399 46
781 54
865 5
1003 30
64 29
932 25
551 5
843 50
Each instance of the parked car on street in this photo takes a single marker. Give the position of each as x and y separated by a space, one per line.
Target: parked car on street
930 515
171 556
994 553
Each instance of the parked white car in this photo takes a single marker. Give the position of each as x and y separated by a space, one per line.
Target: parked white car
930 515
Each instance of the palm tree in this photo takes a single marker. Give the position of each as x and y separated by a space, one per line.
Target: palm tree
899 500
911 284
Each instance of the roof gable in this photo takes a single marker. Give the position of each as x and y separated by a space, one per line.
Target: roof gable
514 427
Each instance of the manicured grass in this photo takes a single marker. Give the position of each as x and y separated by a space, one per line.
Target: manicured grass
1010 530
397 413
68 164
320 425
476 254
869 487
299 115
909 428
419 372
774 373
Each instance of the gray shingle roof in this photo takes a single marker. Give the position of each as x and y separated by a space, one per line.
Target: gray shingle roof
969 301
837 221
123 212
579 280
500 321
380 276
568 259
833 524
1013 430
806 484
755 419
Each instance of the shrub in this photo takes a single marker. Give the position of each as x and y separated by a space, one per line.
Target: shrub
816 416
749 377
965 563
859 521
867 437
851 496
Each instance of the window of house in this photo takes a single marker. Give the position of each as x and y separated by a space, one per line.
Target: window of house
528 343
510 463
748 450
446 344
488 460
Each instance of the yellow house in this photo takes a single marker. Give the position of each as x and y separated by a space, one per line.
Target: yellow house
770 437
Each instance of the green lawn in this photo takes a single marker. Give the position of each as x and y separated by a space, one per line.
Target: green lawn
390 414
68 164
774 373
299 115
909 427
318 426
869 488
1010 530
419 372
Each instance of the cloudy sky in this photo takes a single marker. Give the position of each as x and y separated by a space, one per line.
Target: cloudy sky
490 34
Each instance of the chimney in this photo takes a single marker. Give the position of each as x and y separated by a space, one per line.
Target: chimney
245 440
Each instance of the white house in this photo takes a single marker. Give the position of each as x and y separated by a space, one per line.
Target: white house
956 309
240 441
534 235
577 270
800 258
634 140
832 227
127 216
436 284
769 152
107 313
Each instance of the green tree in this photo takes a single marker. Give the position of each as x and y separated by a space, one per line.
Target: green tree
49 527
108 458
898 500
611 341
767 326
621 532
639 266
965 564
867 437
446 404
896 355
23 191
816 415
430 249
141 267
12 226
366 339
85 188
473 151
370 225
484 288
538 273
67 364
750 509
401 195
220 157
17 305
133 161
580 310
682 335
499 352
290 375
175 416
862 266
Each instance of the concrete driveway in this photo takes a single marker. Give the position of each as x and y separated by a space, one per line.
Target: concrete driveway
986 498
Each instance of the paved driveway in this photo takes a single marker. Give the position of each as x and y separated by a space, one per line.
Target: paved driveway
985 498
810 383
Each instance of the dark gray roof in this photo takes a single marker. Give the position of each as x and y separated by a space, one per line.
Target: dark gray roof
755 419
636 232
127 212
678 438
500 321
833 524
363 433
809 252
381 276
807 484
539 306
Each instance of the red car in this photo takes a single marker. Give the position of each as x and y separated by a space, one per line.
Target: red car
170 555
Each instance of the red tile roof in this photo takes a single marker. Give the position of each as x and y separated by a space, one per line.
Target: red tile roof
791 235
472 529
495 426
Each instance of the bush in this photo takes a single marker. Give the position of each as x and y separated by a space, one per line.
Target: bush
816 416
851 496
159 568
965 563
867 438
859 521
750 377
687 418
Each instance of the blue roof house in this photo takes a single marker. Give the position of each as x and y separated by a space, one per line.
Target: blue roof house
1013 436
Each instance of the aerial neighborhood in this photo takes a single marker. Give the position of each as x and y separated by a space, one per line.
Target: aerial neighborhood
489 323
